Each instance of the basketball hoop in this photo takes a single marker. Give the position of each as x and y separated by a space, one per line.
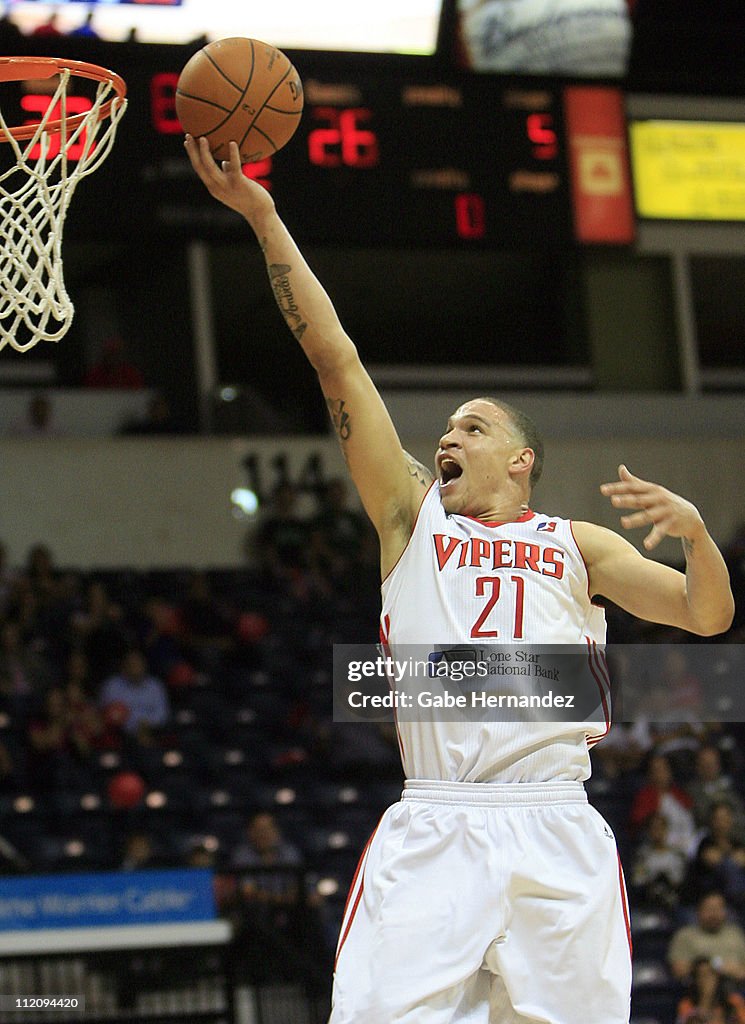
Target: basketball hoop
51 156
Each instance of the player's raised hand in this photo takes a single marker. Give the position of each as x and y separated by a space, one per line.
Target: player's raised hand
668 514
226 181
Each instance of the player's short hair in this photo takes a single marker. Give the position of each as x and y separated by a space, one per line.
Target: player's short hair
528 432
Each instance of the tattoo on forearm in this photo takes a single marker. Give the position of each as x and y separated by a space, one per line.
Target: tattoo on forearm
418 471
279 275
340 418
688 546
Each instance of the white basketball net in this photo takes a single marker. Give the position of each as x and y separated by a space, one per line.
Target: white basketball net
34 197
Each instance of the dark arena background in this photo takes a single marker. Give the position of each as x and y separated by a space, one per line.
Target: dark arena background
548 207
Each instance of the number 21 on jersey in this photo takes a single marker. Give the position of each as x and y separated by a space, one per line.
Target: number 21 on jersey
491 589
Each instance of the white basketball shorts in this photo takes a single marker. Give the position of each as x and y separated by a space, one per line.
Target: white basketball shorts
486 904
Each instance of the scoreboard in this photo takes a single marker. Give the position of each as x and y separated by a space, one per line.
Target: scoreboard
390 151
402 160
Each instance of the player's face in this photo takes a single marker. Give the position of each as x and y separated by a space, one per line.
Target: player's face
474 456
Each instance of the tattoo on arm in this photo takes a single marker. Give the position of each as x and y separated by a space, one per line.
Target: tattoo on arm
279 275
418 471
688 546
340 418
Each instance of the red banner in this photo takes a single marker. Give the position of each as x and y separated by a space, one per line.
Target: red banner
599 164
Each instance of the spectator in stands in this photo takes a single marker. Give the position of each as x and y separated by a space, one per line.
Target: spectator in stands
224 884
24 673
711 998
658 869
622 751
62 739
208 624
281 544
76 674
270 891
113 370
281 923
337 534
264 850
86 716
143 696
199 855
160 634
710 785
713 936
41 573
10 34
140 852
661 794
85 29
22 606
44 599
81 691
719 862
49 28
37 421
66 599
98 628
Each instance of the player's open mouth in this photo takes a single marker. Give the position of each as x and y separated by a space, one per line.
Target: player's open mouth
450 471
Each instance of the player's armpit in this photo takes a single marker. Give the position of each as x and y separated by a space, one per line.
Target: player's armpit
641 586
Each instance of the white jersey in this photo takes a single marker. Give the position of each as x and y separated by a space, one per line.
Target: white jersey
461 581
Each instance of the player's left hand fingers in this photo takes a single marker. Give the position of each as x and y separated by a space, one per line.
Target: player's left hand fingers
655 514
636 493
626 487
627 483
655 535
640 499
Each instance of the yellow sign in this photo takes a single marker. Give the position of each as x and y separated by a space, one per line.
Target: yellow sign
688 170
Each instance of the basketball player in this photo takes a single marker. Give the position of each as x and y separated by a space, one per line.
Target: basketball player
492 892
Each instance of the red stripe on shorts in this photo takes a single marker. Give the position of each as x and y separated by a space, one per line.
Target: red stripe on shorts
358 897
624 904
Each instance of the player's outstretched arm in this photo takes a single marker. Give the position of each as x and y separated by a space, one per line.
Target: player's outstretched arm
379 467
699 600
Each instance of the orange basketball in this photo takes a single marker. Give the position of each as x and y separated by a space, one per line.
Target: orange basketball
242 90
